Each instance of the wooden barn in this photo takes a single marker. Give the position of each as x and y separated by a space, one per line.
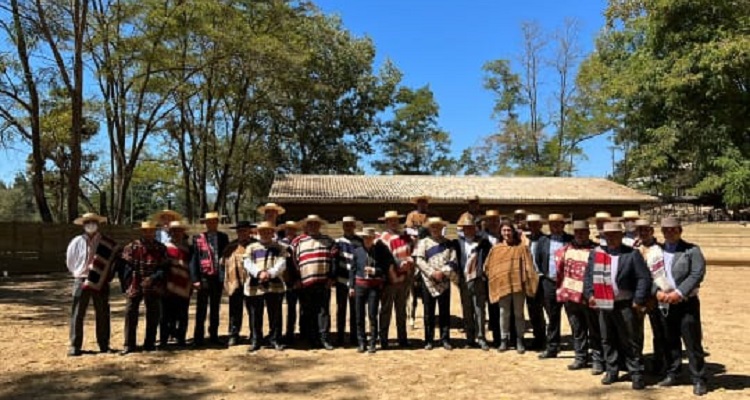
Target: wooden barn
367 197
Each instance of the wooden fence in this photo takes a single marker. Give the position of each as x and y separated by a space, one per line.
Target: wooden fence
27 248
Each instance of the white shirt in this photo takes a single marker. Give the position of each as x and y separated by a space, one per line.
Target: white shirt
467 248
615 266
80 255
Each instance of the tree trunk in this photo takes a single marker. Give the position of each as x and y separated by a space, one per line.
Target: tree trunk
80 11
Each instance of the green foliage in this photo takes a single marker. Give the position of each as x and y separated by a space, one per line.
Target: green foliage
674 81
413 143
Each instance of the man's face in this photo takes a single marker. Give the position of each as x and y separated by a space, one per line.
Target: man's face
436 230
645 233
368 241
271 215
492 223
581 235
290 233
557 227
313 227
349 228
422 205
470 231
534 226
672 235
266 235
244 234
148 234
520 219
614 239
212 225
392 224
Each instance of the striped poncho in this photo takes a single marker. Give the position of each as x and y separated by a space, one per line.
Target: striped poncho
100 269
604 292
178 275
400 246
314 257
572 261
346 246
270 258
436 255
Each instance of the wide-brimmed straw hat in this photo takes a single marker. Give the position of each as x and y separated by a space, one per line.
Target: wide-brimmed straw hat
243 225
436 221
146 225
556 218
271 206
171 214
390 215
612 227
580 225
211 215
631 214
520 211
603 215
288 224
177 225
266 225
642 222
367 232
492 214
348 218
671 222
90 217
466 220
534 218
314 218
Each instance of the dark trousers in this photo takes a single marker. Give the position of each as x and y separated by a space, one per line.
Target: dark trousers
81 299
153 311
174 318
444 306
209 296
342 300
477 292
493 323
658 323
586 333
292 298
316 302
370 297
236 312
467 309
535 308
622 332
554 313
684 322
271 302
394 297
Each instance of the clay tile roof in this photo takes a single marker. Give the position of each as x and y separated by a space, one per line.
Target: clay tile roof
451 189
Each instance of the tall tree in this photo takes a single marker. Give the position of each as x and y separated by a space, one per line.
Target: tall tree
674 78
413 143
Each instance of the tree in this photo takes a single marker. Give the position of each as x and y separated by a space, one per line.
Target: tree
413 143
674 80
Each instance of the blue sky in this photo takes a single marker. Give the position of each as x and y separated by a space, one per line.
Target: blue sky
444 44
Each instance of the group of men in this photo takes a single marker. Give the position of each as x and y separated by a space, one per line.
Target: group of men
606 287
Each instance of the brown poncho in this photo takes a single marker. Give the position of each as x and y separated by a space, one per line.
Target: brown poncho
509 270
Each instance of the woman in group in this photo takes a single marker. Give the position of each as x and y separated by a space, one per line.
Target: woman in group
511 278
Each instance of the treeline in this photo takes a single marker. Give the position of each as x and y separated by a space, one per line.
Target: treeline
128 105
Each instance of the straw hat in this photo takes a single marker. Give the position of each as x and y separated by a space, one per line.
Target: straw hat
367 232
266 225
612 227
436 221
580 225
90 217
424 197
146 225
630 214
671 222
171 214
534 218
210 215
492 214
466 220
177 225
348 218
287 224
603 215
390 214
520 211
556 218
271 206
472 198
642 222
314 218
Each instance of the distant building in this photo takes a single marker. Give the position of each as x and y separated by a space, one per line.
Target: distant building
368 196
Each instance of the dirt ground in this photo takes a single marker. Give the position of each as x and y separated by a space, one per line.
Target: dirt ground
34 332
